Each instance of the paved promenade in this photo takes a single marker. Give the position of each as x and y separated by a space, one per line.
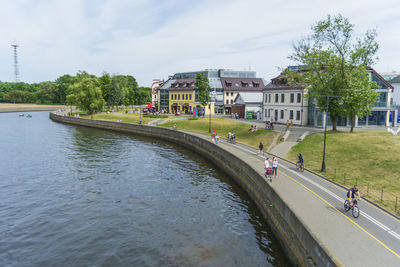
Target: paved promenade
373 239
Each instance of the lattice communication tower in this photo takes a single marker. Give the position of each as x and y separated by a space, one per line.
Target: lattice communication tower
16 69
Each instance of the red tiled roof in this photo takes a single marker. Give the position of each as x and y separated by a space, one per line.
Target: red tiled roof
183 85
242 84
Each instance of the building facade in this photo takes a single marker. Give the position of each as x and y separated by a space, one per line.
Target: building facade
216 88
155 86
282 102
234 86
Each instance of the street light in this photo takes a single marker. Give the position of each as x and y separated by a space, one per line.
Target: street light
140 109
209 108
326 117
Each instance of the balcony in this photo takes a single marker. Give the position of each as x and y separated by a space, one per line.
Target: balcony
384 104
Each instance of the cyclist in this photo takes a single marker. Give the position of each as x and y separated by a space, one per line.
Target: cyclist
351 194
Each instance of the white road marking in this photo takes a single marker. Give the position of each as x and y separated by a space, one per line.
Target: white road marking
367 216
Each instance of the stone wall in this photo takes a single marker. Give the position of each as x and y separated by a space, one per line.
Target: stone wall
301 246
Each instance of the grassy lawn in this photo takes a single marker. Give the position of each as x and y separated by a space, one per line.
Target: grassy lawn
369 159
223 126
125 117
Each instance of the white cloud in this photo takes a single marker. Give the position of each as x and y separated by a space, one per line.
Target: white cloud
154 39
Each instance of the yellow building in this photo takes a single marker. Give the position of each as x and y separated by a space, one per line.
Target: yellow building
183 97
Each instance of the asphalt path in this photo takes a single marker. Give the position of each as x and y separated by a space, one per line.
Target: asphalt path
372 239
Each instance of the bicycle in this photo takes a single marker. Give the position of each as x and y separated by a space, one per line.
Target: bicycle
300 166
354 208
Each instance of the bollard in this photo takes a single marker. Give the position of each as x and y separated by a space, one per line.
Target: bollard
382 195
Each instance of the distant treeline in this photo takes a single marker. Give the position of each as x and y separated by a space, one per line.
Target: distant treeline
116 90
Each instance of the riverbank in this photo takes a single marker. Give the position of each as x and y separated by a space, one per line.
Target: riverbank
298 240
7 107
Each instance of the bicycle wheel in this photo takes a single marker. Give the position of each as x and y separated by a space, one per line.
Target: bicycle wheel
346 205
355 211
302 167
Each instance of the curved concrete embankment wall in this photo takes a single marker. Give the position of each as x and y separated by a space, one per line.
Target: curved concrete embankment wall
300 244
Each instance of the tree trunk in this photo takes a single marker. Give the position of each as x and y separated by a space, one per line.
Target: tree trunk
334 122
353 122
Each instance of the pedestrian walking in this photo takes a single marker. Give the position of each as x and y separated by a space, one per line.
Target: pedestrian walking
275 166
291 124
230 137
260 148
233 138
287 125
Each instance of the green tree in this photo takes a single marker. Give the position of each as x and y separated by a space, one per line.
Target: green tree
86 93
48 93
106 86
63 83
335 63
203 87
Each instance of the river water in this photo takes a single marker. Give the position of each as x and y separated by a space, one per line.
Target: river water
76 196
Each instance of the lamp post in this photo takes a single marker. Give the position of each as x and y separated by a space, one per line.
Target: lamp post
326 117
209 108
140 109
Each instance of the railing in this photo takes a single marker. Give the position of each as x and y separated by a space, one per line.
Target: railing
384 104
382 197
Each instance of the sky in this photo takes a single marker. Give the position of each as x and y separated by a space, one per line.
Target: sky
152 39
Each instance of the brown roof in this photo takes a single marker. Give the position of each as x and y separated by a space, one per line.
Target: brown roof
242 84
380 78
183 85
285 86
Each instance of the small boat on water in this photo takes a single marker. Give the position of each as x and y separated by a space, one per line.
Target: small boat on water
21 114
29 116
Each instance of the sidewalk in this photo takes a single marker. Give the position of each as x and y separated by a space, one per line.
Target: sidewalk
373 239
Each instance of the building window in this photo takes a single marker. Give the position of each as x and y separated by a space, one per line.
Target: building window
269 98
187 96
281 114
179 97
291 115
231 101
231 93
190 97
276 114
298 97
282 98
227 93
266 98
227 101
276 98
265 112
298 115
291 98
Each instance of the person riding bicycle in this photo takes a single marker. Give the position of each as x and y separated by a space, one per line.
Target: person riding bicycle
352 193
300 159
